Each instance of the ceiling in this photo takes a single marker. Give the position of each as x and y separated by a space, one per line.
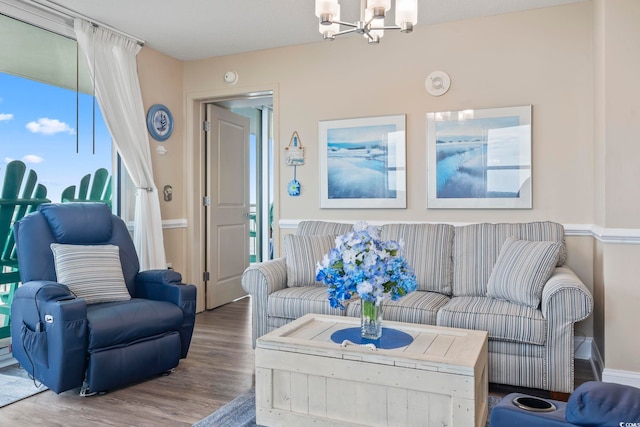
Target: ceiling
196 29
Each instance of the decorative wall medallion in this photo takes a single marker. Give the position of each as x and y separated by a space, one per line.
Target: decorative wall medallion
159 122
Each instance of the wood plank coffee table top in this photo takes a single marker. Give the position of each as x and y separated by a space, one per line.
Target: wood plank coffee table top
433 347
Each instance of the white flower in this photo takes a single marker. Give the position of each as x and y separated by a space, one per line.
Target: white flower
349 256
325 261
364 288
360 225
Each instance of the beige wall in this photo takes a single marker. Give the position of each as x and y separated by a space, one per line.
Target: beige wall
617 133
499 61
161 83
559 60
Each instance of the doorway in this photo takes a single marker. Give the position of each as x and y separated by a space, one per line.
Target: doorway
238 199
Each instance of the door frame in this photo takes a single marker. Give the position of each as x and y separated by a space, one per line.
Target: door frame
195 105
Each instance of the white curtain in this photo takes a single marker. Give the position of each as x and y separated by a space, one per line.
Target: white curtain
112 61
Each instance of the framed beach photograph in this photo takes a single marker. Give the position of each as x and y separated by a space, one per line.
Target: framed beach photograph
479 159
363 162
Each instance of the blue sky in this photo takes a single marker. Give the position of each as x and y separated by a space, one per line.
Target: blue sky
38 126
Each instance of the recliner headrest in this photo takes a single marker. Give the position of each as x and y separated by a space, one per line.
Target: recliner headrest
78 223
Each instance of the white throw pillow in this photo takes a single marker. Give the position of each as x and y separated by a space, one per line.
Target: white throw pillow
93 273
303 253
522 269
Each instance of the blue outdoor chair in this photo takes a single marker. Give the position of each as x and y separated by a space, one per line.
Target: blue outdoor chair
91 330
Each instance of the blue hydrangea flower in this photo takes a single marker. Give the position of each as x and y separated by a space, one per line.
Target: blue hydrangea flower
363 265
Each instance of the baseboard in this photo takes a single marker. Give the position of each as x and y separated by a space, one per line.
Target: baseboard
621 377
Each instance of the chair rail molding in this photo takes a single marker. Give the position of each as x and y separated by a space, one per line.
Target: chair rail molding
629 236
166 223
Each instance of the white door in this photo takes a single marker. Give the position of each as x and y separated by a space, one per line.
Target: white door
227 216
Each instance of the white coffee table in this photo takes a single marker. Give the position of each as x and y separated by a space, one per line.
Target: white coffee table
303 377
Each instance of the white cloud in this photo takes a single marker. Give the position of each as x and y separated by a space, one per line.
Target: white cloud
32 158
4 117
47 126
8 160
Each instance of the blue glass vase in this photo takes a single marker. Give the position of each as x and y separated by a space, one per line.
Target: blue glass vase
371 320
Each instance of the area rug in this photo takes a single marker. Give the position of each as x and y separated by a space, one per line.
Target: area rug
241 412
15 385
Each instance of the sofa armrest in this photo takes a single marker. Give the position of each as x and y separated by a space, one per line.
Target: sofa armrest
564 293
260 280
565 300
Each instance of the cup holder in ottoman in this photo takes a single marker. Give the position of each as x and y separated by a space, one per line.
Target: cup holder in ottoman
534 404
517 409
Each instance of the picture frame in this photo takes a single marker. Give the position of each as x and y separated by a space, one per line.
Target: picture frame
363 163
479 159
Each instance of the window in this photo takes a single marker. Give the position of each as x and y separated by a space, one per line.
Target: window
51 123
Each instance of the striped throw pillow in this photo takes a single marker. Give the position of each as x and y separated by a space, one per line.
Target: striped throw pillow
522 269
303 253
93 273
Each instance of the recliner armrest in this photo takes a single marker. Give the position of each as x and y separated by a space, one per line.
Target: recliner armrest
166 276
50 309
166 285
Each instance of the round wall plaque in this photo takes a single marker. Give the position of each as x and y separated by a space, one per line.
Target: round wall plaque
159 122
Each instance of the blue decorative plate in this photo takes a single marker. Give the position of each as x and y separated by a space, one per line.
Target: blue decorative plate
159 122
391 338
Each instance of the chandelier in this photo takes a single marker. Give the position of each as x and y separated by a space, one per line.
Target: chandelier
372 16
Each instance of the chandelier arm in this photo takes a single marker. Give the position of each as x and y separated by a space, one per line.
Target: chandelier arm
352 30
346 24
368 23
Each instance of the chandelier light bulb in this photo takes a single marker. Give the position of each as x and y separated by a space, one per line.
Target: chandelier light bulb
378 8
329 29
327 10
406 14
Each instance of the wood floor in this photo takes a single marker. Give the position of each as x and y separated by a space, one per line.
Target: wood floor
219 367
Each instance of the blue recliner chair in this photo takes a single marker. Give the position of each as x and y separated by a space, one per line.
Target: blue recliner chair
592 404
113 336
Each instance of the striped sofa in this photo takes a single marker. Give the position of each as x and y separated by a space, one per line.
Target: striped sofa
507 279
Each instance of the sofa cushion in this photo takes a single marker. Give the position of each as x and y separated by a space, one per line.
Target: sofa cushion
603 404
291 303
93 273
320 228
417 307
427 249
503 320
303 253
476 248
122 323
522 269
